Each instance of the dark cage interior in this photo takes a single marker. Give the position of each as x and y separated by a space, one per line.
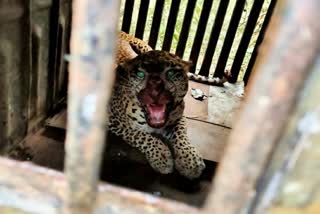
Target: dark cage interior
34 42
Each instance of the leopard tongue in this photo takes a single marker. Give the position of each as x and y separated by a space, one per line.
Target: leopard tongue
156 114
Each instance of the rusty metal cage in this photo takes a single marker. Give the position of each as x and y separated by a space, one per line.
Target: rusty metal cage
248 175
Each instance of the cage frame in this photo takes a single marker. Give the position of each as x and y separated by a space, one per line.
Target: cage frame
36 189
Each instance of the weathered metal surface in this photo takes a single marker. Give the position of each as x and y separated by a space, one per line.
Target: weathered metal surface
270 101
59 46
27 39
214 36
14 70
12 10
30 188
91 80
292 180
245 39
39 86
230 36
34 189
260 39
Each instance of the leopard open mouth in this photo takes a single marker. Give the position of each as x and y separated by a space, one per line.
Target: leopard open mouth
156 109
157 114
156 101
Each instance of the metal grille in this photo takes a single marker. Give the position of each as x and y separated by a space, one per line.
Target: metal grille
204 66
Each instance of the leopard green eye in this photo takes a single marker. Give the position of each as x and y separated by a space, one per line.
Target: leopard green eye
170 74
140 74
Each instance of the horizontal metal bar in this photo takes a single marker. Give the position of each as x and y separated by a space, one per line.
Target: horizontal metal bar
272 97
35 189
30 188
91 75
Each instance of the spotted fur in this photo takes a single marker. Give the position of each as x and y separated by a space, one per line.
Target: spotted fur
167 147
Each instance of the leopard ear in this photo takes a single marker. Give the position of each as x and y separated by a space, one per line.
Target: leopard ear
121 69
187 65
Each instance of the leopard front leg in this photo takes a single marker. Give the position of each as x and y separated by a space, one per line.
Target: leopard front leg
188 161
157 153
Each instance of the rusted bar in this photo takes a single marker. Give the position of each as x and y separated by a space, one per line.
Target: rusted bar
15 70
127 16
295 160
91 79
202 25
30 188
245 40
157 15
228 41
271 98
173 14
35 189
53 52
259 41
142 18
185 28
214 36
120 199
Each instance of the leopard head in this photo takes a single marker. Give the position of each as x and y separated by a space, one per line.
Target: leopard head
157 82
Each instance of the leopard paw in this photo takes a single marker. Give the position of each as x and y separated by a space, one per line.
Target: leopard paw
161 159
189 164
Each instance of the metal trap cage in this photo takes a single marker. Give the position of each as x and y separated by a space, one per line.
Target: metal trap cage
276 120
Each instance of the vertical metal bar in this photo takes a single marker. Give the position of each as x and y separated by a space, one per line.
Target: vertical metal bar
185 28
293 162
156 23
174 9
91 77
232 29
142 18
271 99
214 36
202 25
127 16
53 52
245 40
259 41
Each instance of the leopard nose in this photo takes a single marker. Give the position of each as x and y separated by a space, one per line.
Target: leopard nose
154 93
155 81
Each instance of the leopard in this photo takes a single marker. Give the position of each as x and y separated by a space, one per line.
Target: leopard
147 104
